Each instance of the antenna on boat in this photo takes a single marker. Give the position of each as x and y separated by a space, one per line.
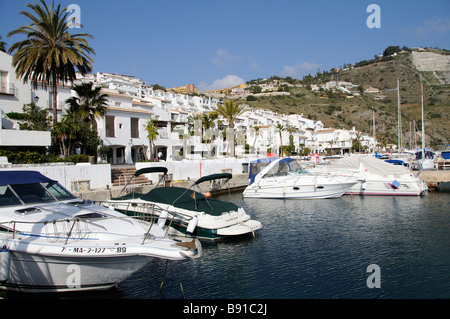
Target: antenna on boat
423 125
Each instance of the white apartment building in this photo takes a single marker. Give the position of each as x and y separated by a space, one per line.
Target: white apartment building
132 104
13 95
13 92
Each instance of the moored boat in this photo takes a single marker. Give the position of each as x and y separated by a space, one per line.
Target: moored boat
377 177
285 178
53 241
186 211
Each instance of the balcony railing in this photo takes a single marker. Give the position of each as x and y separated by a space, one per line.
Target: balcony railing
60 105
7 88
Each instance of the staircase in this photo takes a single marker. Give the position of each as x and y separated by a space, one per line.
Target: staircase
120 176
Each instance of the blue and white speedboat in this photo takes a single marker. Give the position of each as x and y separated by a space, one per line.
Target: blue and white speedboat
52 241
285 178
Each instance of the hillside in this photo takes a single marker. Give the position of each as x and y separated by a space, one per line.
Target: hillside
339 110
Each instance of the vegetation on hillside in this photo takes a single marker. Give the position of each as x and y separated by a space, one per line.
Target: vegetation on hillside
340 110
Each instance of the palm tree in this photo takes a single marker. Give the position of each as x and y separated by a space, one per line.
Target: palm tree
49 53
291 129
152 135
66 133
230 111
280 128
356 142
88 104
2 45
256 132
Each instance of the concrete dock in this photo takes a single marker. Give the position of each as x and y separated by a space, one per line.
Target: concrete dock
237 183
435 179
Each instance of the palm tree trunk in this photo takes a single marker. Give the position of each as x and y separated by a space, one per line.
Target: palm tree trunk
232 150
55 88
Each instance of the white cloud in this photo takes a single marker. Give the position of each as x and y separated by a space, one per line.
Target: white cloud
439 25
226 82
296 69
223 57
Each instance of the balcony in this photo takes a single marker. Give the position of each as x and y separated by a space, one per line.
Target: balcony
7 89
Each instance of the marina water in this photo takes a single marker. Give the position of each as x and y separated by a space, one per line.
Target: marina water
319 249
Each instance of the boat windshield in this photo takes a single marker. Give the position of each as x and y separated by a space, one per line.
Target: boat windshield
33 193
288 167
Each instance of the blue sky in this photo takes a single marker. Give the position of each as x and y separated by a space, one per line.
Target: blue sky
215 44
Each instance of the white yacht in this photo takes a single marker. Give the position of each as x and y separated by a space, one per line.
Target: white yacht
52 241
285 178
376 176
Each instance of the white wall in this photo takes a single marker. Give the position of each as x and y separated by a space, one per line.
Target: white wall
194 169
98 175
22 93
24 138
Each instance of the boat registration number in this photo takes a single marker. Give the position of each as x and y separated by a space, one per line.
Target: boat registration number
94 250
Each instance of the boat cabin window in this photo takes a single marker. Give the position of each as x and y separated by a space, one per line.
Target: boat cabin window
7 197
286 167
58 191
33 193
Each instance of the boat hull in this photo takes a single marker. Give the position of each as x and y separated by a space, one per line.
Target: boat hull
385 188
298 191
40 273
233 223
242 228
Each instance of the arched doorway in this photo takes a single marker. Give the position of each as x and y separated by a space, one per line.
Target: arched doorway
139 153
161 153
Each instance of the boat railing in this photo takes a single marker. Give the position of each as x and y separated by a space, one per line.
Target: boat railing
60 230
148 212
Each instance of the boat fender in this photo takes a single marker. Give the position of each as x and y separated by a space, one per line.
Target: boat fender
5 261
363 185
192 224
162 218
395 184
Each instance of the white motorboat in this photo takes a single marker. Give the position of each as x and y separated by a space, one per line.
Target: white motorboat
51 241
186 211
377 177
285 178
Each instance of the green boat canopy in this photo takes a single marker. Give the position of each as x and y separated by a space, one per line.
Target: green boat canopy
184 198
148 170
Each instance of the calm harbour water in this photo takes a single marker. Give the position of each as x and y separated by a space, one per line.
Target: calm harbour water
314 249
317 249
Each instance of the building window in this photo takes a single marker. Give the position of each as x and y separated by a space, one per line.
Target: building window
5 87
110 132
134 127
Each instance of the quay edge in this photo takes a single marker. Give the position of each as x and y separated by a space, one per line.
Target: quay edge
237 183
437 179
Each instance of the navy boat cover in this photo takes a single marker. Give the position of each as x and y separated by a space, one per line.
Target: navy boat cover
22 177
